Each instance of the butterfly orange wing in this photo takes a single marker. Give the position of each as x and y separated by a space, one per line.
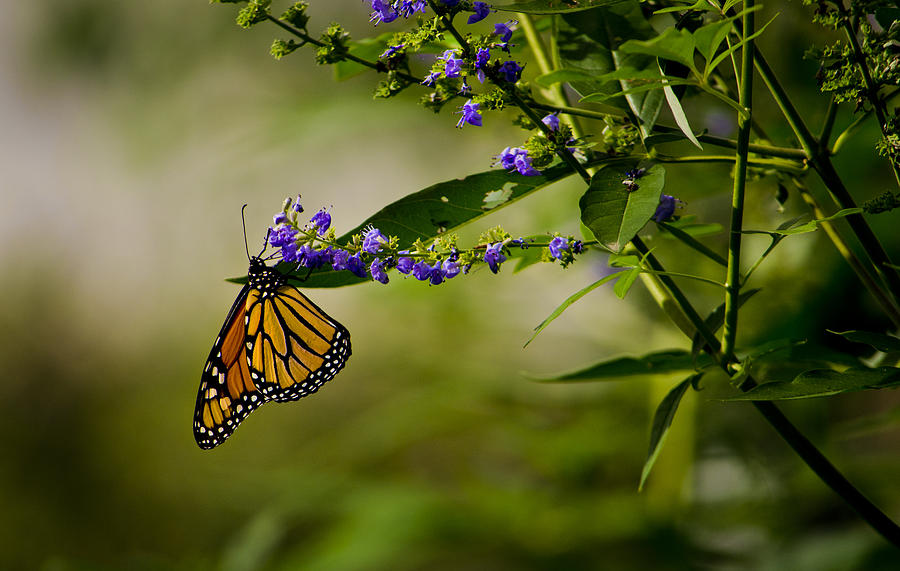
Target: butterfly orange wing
294 347
227 392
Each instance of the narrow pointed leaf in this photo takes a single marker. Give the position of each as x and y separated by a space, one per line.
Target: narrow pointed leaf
569 301
823 383
878 341
659 362
678 113
662 421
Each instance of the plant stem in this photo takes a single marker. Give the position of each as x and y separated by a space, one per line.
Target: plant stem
871 87
821 161
733 272
804 448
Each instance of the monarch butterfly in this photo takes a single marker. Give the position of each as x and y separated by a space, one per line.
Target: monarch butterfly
275 345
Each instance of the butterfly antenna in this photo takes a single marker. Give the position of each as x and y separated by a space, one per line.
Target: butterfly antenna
244 226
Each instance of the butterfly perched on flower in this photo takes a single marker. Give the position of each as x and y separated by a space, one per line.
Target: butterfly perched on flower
275 345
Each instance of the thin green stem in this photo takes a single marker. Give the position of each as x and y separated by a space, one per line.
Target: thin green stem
733 272
828 123
821 161
777 164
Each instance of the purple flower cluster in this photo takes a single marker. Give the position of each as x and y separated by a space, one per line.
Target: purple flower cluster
516 158
559 245
389 11
372 254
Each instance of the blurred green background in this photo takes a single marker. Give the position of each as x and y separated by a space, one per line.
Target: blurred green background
131 135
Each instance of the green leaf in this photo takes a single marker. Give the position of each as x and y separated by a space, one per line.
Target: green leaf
656 363
678 113
589 42
672 44
878 341
702 5
712 65
569 301
708 38
442 207
823 383
810 226
549 6
614 214
662 420
624 284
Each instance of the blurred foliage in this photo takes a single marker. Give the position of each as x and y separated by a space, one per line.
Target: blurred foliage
125 179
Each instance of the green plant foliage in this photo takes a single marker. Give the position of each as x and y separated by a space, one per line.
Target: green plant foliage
612 212
823 383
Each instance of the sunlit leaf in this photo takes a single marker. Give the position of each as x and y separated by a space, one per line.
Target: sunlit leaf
678 113
662 420
612 212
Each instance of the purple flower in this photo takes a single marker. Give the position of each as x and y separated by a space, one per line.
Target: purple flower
431 78
355 265
376 268
577 247
280 218
312 258
452 64
494 256
321 220
557 246
391 51
482 57
511 70
470 115
339 259
520 242
450 268
281 236
297 206
373 240
481 12
437 276
409 7
382 12
421 270
504 30
666 208
464 88
405 265
518 159
552 121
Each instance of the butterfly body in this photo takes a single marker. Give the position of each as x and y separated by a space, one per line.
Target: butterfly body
275 345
